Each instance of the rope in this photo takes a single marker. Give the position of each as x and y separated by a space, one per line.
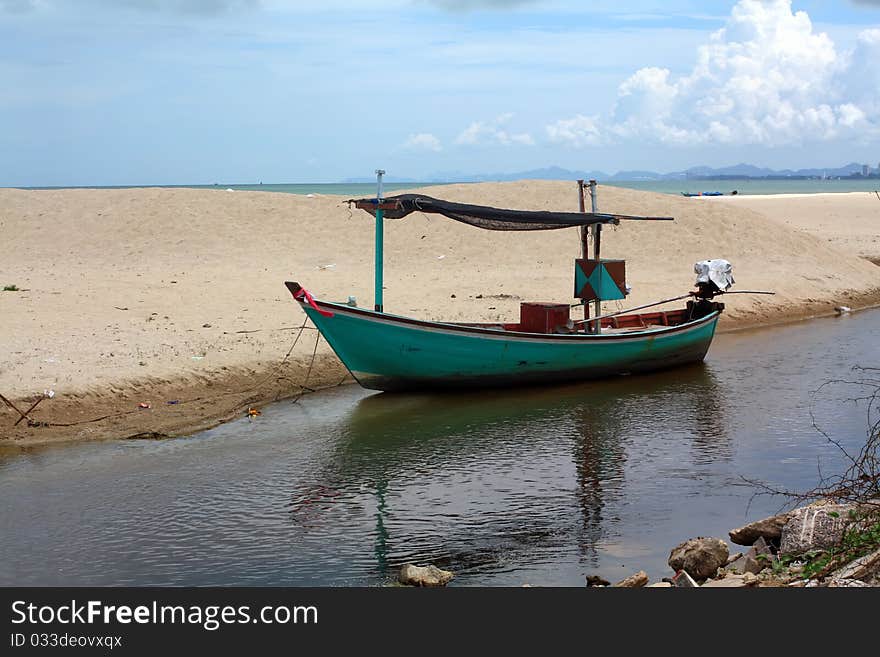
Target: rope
283 360
303 386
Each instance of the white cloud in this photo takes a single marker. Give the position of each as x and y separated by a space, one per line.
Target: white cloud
519 138
471 134
850 115
493 132
767 77
423 141
579 131
861 84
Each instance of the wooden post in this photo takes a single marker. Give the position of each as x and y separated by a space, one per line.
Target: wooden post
585 246
380 243
597 240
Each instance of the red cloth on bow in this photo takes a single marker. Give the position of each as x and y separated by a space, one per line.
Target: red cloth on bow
305 294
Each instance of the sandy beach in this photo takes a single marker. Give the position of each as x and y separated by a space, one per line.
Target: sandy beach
173 298
849 221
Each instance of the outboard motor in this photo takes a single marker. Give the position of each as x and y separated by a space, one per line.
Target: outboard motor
713 277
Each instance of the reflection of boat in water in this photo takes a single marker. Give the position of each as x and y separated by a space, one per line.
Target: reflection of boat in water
466 480
385 422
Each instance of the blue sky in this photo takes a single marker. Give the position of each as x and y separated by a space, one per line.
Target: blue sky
101 92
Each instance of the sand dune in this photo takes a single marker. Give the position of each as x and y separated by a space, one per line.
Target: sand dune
848 221
164 295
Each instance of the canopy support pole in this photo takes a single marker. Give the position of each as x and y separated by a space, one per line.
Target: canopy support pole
585 244
597 240
380 243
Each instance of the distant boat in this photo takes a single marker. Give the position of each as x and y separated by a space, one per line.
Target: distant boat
702 193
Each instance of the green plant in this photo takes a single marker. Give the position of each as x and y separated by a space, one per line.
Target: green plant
863 540
10 288
858 540
781 564
817 562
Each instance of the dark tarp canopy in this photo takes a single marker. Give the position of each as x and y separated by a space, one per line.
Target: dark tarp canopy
397 207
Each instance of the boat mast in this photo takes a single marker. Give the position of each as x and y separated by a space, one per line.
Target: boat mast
380 239
597 239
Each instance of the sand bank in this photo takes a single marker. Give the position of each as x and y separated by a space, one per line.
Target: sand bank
153 296
849 221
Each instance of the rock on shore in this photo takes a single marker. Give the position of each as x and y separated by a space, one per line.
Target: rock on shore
700 557
412 575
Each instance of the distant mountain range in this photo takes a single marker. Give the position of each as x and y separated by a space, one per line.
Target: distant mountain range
738 171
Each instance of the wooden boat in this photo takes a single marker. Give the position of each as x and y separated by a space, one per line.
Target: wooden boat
384 351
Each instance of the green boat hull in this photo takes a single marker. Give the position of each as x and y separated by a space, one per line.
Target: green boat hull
388 352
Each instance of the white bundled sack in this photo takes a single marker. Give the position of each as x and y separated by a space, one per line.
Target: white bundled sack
719 272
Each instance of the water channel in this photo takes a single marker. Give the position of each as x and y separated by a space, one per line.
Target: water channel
537 485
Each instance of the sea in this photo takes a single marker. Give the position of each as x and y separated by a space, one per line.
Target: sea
726 186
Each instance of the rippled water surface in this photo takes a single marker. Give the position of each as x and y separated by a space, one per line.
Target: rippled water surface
539 485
